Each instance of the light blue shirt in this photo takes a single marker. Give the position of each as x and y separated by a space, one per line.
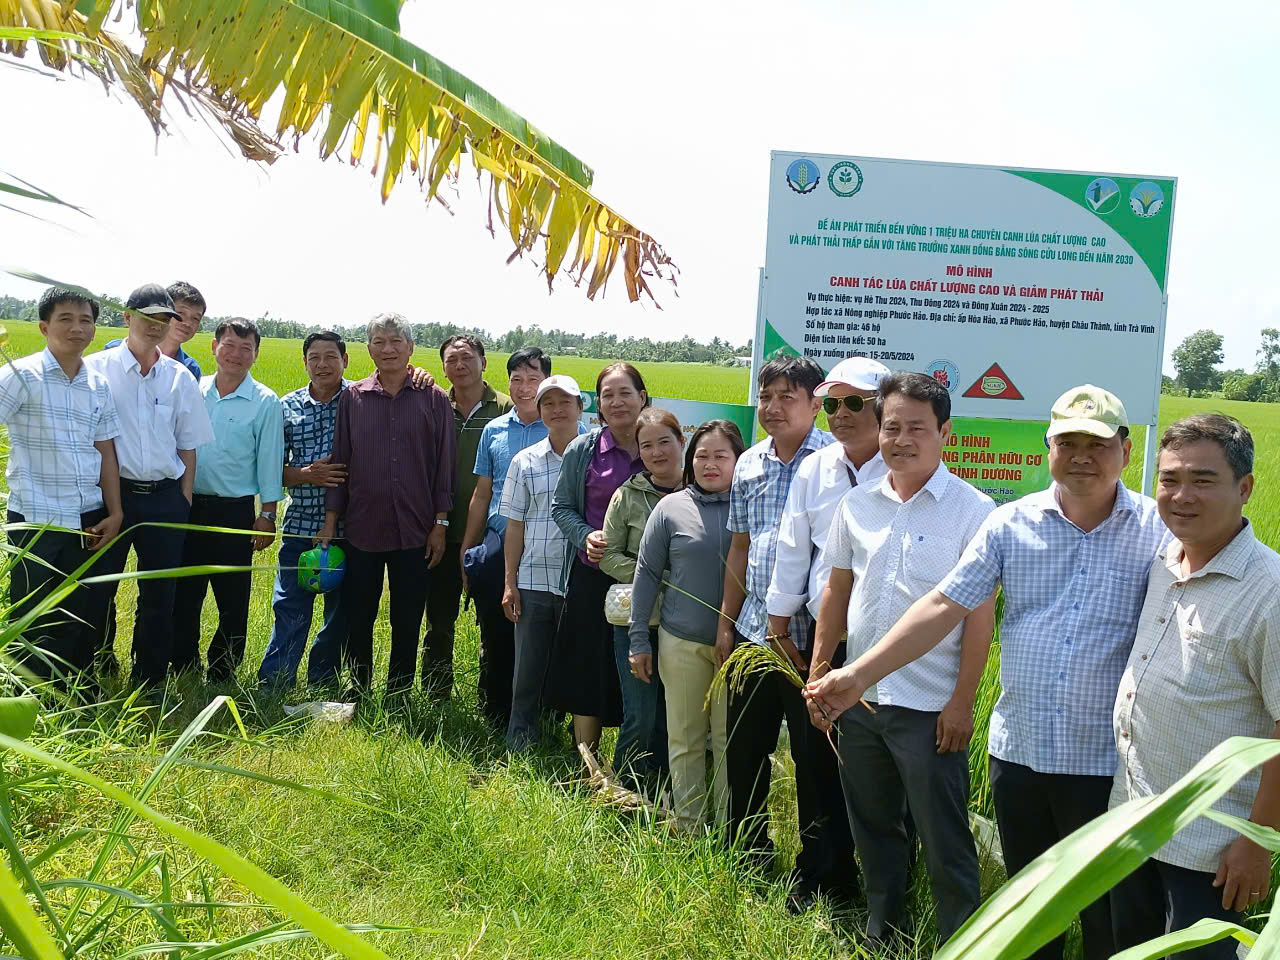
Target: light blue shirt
248 442
502 438
1071 606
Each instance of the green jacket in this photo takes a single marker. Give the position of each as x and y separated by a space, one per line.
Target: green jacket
624 522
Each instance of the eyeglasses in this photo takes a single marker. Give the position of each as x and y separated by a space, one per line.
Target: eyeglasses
852 403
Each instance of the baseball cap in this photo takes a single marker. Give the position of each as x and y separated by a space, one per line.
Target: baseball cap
151 299
861 373
558 381
1087 409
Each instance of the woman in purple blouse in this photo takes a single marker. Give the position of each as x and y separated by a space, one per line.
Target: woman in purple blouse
582 677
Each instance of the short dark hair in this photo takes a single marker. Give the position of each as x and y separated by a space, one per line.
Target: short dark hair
1227 432
727 428
56 295
241 327
529 357
329 336
797 371
182 292
915 386
473 342
622 366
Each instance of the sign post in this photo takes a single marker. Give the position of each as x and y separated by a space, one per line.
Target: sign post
1007 285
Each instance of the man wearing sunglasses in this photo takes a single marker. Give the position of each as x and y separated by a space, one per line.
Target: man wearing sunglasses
800 574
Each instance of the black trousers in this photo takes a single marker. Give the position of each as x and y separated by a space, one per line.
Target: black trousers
825 862
63 637
230 590
1036 810
158 549
1159 898
407 579
497 657
444 592
891 763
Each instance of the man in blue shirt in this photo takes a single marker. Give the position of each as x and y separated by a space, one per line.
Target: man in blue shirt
242 462
310 413
190 306
1073 563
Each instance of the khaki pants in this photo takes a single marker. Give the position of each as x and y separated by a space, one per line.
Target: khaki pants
687 668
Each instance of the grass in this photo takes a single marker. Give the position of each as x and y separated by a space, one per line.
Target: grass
489 857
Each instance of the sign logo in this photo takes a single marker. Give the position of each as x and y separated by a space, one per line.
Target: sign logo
1102 195
945 372
994 384
803 175
1146 199
845 179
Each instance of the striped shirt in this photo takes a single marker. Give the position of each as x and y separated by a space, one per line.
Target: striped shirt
526 496
54 467
502 438
400 453
757 499
308 437
1205 666
1071 605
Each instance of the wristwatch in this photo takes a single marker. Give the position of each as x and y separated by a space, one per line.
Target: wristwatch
268 515
442 523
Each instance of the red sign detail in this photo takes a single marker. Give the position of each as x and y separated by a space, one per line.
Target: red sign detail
994 385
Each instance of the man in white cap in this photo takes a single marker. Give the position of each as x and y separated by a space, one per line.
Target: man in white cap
534 550
1072 561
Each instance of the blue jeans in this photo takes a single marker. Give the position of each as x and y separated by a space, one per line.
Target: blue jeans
292 607
642 739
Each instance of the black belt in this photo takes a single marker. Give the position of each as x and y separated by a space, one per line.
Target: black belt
214 498
147 486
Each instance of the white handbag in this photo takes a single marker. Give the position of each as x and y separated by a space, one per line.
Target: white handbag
617 606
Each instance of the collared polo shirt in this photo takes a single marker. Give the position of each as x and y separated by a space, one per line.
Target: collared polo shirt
160 413
182 357
757 498
54 468
1205 666
500 440
470 429
1071 605
609 468
526 496
801 571
308 436
898 552
400 453
248 442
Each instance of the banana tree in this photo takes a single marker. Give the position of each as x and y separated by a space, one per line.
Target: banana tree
346 77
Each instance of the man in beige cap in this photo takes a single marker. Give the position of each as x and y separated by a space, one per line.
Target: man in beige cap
1073 563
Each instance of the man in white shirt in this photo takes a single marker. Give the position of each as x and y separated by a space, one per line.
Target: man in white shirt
62 471
1205 666
890 545
162 421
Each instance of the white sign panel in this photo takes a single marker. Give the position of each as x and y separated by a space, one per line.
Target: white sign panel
1007 285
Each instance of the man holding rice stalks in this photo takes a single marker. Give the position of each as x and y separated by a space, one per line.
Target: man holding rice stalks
1072 562
889 543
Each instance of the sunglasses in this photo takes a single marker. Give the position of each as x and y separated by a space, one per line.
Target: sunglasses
852 403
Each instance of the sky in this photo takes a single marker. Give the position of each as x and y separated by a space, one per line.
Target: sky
677 106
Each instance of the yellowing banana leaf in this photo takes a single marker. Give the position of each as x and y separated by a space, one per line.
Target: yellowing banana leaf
231 57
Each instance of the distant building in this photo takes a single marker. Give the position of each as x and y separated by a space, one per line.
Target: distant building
742 361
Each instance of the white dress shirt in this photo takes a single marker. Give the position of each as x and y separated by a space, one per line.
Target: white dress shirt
1205 666
898 552
821 482
160 413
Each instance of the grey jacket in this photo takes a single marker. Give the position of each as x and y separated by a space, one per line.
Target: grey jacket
686 541
569 503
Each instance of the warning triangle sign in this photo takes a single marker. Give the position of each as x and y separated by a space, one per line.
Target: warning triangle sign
994 385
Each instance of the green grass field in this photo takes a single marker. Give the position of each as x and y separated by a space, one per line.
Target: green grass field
487 857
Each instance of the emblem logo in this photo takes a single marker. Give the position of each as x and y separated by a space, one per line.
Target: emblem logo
1146 199
945 372
803 175
845 179
994 384
1102 195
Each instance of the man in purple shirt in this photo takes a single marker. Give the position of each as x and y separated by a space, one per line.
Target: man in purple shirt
398 443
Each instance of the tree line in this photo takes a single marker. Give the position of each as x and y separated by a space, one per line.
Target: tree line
555 341
1196 361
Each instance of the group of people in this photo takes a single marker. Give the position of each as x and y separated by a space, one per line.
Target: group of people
614 571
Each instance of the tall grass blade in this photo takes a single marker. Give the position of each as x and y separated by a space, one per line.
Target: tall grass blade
1043 898
1198 934
19 921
